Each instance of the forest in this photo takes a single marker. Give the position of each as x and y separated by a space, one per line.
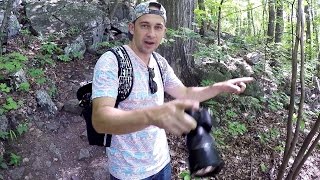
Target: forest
48 49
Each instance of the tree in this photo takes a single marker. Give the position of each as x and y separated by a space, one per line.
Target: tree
179 54
270 32
308 32
203 22
219 22
292 141
4 24
279 22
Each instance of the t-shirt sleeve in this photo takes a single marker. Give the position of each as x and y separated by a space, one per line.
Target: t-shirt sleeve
105 81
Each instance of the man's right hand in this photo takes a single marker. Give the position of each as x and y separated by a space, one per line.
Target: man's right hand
172 118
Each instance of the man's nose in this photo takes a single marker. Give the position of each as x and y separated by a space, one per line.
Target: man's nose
151 32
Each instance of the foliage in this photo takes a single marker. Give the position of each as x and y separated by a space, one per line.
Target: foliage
22 128
25 86
10 104
50 48
77 55
219 136
14 133
4 135
181 33
211 51
185 175
277 100
3 164
73 31
231 114
44 59
236 128
12 62
53 90
270 135
107 44
263 167
38 75
4 88
26 37
64 58
15 160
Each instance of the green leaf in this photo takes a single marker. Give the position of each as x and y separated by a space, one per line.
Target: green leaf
263 167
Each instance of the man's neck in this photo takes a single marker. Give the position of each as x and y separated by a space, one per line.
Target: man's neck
144 57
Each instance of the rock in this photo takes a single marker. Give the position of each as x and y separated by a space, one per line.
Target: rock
55 150
2 149
75 47
37 164
17 173
100 174
3 123
45 102
253 58
13 25
84 153
72 106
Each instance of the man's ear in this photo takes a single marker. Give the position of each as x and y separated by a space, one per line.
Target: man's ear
131 28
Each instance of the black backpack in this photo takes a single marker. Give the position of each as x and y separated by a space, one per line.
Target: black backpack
125 75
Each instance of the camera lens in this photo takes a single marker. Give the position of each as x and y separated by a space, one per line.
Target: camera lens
204 159
204 171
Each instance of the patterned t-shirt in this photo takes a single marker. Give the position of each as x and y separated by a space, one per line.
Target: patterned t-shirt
143 153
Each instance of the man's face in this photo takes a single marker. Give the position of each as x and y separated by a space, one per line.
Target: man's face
148 31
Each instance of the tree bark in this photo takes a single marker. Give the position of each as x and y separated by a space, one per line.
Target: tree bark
219 22
203 22
279 22
308 33
4 25
179 54
271 20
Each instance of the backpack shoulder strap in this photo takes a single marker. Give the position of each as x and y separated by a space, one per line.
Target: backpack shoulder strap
125 73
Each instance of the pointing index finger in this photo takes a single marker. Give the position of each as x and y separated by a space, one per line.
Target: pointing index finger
242 79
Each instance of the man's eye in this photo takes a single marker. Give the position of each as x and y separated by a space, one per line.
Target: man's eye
159 27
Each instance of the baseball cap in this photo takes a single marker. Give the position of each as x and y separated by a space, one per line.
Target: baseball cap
144 8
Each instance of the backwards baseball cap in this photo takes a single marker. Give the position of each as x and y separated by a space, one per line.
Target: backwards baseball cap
144 8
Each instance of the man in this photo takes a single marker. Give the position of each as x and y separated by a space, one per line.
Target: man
139 148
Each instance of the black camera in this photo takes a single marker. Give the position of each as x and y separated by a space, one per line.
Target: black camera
204 158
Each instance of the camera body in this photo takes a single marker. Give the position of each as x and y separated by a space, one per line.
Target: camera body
204 159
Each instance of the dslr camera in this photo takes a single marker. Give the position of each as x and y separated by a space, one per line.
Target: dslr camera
204 159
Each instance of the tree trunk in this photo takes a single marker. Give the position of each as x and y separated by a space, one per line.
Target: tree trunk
270 32
4 25
179 54
315 25
279 22
252 22
318 66
203 22
219 22
308 33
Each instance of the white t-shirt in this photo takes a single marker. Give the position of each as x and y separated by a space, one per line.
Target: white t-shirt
143 153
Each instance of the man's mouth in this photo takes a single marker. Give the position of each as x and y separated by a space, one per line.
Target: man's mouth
149 42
